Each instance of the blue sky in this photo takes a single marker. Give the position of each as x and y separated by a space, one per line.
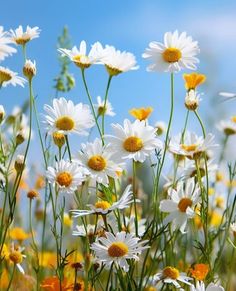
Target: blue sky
128 25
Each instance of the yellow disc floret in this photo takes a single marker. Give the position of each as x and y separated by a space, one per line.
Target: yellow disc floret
97 163
64 179
82 61
16 257
170 272
172 55
102 204
133 144
189 148
113 71
4 76
184 203
65 123
118 249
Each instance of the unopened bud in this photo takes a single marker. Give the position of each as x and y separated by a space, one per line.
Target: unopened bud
29 69
59 139
19 163
2 113
32 194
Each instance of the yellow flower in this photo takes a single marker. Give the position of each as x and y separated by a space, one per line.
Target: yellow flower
199 271
4 279
220 201
211 191
215 218
5 252
48 259
67 220
19 234
141 113
193 80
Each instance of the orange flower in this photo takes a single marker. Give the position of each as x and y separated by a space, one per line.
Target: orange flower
199 271
53 284
48 259
19 234
141 113
193 80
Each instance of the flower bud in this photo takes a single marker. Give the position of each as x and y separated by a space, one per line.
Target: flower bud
32 194
29 69
192 100
2 113
19 163
59 139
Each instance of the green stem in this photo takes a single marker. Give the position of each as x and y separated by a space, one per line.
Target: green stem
91 104
105 104
68 147
134 195
12 276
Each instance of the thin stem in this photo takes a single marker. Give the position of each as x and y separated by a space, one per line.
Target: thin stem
68 147
91 104
134 195
105 104
12 276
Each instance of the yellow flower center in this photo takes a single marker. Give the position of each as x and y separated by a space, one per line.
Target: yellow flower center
59 139
117 250
81 61
4 76
64 179
16 257
101 110
97 163
170 272
171 55
133 144
184 203
189 148
233 118
65 123
22 40
113 71
102 204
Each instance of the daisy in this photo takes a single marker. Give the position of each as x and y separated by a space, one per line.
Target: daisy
81 230
129 225
118 249
178 52
65 117
104 207
117 62
171 275
8 77
20 37
5 48
80 56
228 127
181 205
16 257
192 100
193 80
66 176
98 161
193 147
160 127
200 286
100 107
134 141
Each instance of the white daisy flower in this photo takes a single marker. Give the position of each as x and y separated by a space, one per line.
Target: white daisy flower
65 117
98 161
130 225
66 176
104 207
192 100
193 146
80 56
178 52
117 62
8 77
160 127
135 140
189 169
228 127
5 48
16 257
118 249
20 37
200 286
100 107
171 275
81 230
181 205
